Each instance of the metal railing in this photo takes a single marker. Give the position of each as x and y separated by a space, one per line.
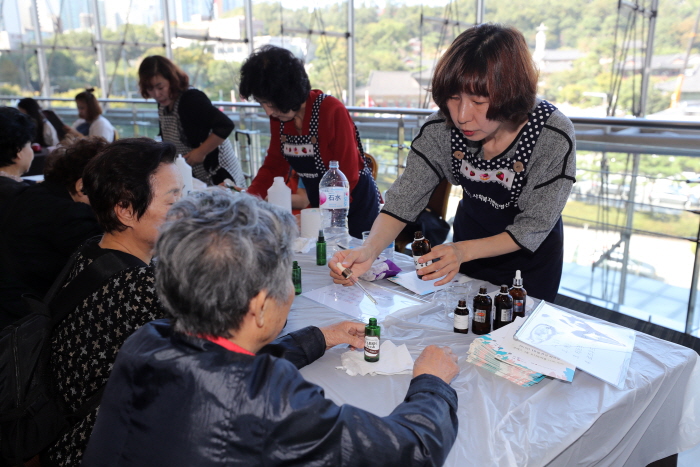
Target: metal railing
390 131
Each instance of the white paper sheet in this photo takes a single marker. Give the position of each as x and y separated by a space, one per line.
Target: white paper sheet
410 281
353 302
599 349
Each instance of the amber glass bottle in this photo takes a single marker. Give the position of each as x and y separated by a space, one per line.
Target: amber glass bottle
461 323
519 295
504 308
420 247
481 324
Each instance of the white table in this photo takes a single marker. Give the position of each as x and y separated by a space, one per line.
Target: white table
587 422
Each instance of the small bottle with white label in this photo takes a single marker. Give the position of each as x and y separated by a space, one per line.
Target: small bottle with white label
504 308
461 323
420 247
372 334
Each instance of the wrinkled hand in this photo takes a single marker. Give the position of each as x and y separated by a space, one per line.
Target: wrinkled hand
358 259
437 361
448 266
345 332
195 157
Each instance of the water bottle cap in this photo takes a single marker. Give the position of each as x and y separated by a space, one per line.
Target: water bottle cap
333 164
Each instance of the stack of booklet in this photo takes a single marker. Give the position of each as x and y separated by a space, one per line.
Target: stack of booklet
519 363
552 342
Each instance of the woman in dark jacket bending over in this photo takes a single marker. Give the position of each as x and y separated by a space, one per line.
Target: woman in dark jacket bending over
188 119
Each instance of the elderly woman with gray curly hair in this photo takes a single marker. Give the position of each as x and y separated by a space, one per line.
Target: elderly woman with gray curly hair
205 388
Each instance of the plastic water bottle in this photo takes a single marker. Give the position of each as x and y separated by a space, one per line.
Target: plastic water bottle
186 171
280 194
334 201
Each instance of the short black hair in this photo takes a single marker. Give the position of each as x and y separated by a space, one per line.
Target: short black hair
275 75
33 109
121 175
16 130
66 164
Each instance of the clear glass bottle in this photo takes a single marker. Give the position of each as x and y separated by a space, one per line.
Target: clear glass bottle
334 201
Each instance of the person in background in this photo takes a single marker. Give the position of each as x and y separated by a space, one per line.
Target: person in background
188 119
46 222
90 121
16 154
300 200
240 401
131 186
45 134
513 155
308 129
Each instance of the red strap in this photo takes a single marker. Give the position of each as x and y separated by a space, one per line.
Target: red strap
227 344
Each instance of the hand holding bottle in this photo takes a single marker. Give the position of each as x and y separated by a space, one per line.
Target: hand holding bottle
437 361
450 260
345 332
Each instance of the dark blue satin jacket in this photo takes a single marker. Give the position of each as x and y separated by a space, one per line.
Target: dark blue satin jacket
177 400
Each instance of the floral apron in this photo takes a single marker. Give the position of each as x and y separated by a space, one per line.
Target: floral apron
304 156
490 203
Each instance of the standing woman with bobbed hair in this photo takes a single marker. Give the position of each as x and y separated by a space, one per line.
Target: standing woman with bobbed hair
90 121
513 155
308 129
46 134
188 119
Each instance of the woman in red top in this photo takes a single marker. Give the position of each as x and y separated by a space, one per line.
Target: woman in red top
308 129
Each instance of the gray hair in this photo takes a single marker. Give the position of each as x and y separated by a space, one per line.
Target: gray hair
216 252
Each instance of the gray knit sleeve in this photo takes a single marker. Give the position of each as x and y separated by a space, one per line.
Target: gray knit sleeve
551 174
426 165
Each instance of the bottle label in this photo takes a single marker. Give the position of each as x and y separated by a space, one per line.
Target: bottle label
519 306
420 265
506 314
334 197
461 321
371 346
479 316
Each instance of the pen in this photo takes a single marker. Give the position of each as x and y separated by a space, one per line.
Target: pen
347 273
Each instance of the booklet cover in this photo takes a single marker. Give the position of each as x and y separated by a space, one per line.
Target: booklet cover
518 353
602 350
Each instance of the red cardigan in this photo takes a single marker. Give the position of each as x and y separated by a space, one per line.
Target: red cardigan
336 142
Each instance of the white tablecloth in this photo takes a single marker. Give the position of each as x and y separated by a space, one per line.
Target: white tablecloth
584 423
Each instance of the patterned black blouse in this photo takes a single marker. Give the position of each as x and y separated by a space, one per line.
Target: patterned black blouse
85 344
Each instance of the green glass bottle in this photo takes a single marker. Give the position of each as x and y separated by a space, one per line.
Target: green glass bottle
296 277
320 249
372 334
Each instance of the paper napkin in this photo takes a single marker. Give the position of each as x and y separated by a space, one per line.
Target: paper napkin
393 360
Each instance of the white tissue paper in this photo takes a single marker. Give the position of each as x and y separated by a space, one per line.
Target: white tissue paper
393 360
303 245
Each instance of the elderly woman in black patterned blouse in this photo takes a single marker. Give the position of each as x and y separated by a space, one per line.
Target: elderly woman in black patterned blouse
131 186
